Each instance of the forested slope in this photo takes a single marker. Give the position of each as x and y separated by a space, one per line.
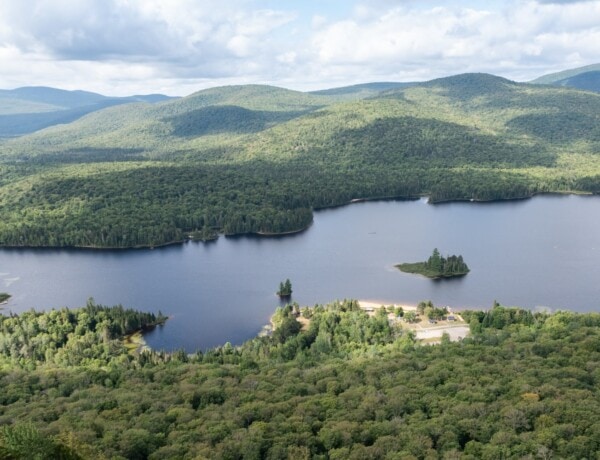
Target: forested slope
361 91
557 76
587 78
589 81
260 159
350 386
29 109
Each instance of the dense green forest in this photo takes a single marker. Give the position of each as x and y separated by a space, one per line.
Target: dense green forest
259 159
437 266
346 386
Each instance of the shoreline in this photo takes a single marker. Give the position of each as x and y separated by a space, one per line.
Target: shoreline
270 234
406 267
321 208
368 306
427 332
135 343
518 198
371 305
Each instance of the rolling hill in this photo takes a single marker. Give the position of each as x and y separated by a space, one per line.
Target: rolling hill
58 98
361 91
589 81
29 109
586 78
259 159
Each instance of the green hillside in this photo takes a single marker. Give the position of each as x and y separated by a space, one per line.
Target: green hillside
260 159
589 81
553 78
29 109
586 78
361 91
347 386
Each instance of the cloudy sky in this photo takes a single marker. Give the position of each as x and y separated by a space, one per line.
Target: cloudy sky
121 47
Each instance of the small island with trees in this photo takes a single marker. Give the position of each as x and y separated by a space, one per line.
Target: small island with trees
285 289
4 296
437 266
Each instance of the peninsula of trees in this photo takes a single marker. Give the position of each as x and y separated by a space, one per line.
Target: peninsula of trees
437 266
4 296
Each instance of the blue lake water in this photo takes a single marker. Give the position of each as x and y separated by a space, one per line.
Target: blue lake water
539 252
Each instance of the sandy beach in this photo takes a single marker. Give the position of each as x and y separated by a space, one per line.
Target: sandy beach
371 305
424 330
434 334
135 343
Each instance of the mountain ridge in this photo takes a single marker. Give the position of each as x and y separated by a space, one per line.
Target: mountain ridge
31 108
563 74
586 78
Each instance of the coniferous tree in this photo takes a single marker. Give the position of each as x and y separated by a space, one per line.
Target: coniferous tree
285 288
435 261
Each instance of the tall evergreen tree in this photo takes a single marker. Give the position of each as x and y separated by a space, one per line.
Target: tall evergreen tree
435 261
285 288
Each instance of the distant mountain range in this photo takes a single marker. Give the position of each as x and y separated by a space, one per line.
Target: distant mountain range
586 78
28 109
362 91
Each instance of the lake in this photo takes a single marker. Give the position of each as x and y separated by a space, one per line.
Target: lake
542 252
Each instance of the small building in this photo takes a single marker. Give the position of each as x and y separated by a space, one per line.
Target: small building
451 318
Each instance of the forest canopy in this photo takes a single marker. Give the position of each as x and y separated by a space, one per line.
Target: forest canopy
347 385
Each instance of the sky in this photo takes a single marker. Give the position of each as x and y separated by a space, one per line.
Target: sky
176 47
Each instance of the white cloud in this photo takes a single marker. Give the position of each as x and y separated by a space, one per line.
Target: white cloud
178 39
318 21
287 58
126 46
512 42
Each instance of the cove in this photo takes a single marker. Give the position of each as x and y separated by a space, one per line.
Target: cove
540 252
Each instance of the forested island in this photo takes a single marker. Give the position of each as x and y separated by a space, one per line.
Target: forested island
437 266
4 296
259 159
346 385
285 288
